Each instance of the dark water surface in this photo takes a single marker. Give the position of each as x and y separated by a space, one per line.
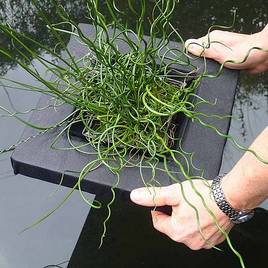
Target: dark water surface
22 200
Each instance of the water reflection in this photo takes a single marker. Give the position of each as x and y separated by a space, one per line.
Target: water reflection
252 97
197 16
23 16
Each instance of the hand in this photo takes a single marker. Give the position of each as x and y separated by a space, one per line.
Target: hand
233 47
182 225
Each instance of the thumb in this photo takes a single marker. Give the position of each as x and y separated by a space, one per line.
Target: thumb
157 196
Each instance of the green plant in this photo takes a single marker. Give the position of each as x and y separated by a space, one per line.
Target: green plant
126 101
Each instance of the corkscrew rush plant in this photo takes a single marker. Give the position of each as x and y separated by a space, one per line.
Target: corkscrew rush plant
126 101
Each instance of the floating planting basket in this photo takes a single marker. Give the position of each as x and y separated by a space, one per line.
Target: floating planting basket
36 159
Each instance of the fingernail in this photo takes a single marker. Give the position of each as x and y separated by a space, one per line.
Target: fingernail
136 195
191 45
193 48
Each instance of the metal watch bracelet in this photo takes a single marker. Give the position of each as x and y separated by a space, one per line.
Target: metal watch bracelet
219 197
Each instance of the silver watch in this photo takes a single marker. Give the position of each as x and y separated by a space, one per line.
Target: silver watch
218 195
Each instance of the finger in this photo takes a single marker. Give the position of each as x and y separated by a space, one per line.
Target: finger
156 196
209 48
195 47
163 223
201 47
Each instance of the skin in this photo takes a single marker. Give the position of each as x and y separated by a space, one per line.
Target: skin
249 175
233 47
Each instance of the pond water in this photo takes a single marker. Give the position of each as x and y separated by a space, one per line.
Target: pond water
22 200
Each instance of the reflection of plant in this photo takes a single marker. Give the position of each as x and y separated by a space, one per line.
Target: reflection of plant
23 16
248 18
127 101
250 87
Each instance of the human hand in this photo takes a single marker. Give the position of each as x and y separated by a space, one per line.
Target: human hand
182 225
232 49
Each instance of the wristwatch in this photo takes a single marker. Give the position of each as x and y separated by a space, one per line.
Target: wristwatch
219 197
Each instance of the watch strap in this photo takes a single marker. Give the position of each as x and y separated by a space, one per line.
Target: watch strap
219 197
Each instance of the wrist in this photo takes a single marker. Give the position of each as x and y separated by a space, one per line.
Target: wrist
235 215
239 190
235 193
245 186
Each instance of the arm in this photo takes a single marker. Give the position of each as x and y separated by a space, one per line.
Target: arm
234 47
245 187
